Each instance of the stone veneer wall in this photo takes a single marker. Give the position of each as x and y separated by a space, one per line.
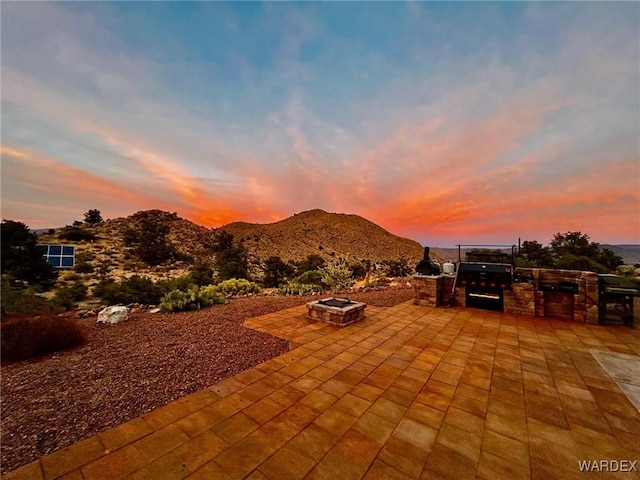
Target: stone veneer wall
526 297
580 307
334 315
520 299
427 290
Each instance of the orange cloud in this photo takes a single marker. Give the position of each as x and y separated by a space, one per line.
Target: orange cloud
39 183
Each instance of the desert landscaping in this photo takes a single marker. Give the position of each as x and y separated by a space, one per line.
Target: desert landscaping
126 370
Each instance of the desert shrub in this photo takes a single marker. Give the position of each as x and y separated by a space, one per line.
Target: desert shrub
234 287
337 275
66 297
231 257
22 257
129 237
311 263
201 273
311 277
26 338
63 298
72 277
183 257
129 265
150 240
193 299
77 234
397 268
276 271
295 288
83 267
23 301
136 289
358 270
177 283
85 256
570 261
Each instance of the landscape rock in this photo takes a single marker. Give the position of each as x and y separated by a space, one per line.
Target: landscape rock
154 310
113 315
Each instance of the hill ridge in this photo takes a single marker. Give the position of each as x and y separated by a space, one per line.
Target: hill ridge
326 234
329 235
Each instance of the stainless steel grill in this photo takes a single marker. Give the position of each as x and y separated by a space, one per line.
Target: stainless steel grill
485 283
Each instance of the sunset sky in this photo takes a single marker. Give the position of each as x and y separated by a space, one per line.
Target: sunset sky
442 122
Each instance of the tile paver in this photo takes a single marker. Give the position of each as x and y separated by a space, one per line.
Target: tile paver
410 392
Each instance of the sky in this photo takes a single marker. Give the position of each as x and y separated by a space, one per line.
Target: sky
444 122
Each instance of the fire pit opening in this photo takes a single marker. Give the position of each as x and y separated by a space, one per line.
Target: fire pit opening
336 302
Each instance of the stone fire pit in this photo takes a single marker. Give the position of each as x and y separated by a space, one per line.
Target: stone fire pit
336 311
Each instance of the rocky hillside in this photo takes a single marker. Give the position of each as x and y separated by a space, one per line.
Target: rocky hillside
329 235
108 248
325 234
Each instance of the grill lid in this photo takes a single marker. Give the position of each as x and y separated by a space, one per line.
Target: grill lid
485 267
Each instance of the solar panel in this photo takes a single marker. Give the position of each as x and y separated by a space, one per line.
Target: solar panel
60 256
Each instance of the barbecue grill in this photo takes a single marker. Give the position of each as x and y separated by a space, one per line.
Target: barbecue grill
485 283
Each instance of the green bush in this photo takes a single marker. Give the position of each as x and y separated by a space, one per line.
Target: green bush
311 263
311 277
234 287
276 272
358 270
22 256
337 275
26 338
66 297
177 283
135 289
202 273
193 299
77 234
85 256
23 301
295 288
397 268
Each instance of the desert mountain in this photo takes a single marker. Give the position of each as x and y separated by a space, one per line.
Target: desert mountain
630 253
329 235
325 234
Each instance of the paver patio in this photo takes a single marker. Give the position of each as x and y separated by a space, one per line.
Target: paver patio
411 392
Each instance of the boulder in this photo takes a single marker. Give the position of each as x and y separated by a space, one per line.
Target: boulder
113 315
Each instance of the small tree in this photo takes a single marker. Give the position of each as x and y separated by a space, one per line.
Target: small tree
337 275
22 259
93 217
151 241
397 268
231 258
358 270
276 272
535 254
573 250
312 262
202 273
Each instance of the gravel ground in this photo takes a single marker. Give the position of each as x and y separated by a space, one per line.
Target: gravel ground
126 370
